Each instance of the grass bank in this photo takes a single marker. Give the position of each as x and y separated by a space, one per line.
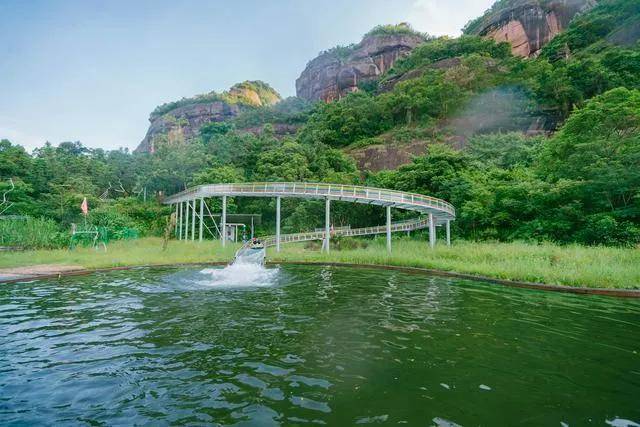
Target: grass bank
550 264
147 251
595 267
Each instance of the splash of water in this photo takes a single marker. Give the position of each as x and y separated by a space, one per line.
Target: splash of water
241 275
250 256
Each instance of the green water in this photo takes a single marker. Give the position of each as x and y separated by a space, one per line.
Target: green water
319 345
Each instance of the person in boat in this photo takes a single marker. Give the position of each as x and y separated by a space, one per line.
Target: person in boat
256 244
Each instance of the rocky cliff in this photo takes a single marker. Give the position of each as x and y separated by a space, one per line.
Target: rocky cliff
339 71
527 24
180 121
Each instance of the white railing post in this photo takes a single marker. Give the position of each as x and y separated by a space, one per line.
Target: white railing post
278 224
193 220
223 222
186 217
327 224
201 219
432 232
180 222
389 229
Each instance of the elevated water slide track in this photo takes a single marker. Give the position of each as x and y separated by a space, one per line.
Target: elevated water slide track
438 211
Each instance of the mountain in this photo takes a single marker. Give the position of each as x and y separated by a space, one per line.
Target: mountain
451 91
538 148
180 121
341 70
397 92
528 25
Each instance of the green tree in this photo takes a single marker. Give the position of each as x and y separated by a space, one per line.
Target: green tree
219 175
600 146
504 150
599 149
286 162
14 160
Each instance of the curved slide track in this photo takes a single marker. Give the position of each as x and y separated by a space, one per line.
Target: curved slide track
411 225
438 211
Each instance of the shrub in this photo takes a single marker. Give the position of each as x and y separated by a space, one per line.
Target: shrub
604 229
32 233
403 28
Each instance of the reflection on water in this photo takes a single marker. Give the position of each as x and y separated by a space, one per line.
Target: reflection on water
298 345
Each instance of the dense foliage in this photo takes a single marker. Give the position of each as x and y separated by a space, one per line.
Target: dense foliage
582 185
474 104
291 111
609 22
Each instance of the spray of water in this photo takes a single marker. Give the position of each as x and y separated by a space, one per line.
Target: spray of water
246 271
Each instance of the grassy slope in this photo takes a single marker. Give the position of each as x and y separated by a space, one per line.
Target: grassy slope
551 264
146 251
558 265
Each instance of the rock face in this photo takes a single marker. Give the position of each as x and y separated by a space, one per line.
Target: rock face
184 123
528 25
375 158
338 72
180 121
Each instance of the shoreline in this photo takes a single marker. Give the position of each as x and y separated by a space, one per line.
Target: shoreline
618 293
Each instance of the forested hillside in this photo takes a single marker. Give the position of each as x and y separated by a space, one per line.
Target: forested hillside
546 148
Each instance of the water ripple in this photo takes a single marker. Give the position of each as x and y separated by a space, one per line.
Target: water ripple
317 345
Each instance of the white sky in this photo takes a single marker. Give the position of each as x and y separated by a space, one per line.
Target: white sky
445 17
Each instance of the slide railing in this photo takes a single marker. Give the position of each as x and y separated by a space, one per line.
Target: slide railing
320 235
349 193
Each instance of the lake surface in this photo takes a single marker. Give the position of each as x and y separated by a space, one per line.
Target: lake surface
312 345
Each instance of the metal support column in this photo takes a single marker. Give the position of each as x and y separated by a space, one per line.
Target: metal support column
448 232
389 229
186 220
179 220
201 219
432 232
327 225
223 222
175 232
193 220
278 224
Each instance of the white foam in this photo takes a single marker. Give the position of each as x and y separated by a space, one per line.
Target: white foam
241 274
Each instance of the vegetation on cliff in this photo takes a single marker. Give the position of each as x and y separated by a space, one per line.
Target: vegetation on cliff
610 23
291 111
249 93
403 28
342 52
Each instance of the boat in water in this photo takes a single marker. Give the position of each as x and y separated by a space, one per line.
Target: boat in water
252 252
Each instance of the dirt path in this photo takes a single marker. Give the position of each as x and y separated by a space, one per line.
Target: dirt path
36 270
